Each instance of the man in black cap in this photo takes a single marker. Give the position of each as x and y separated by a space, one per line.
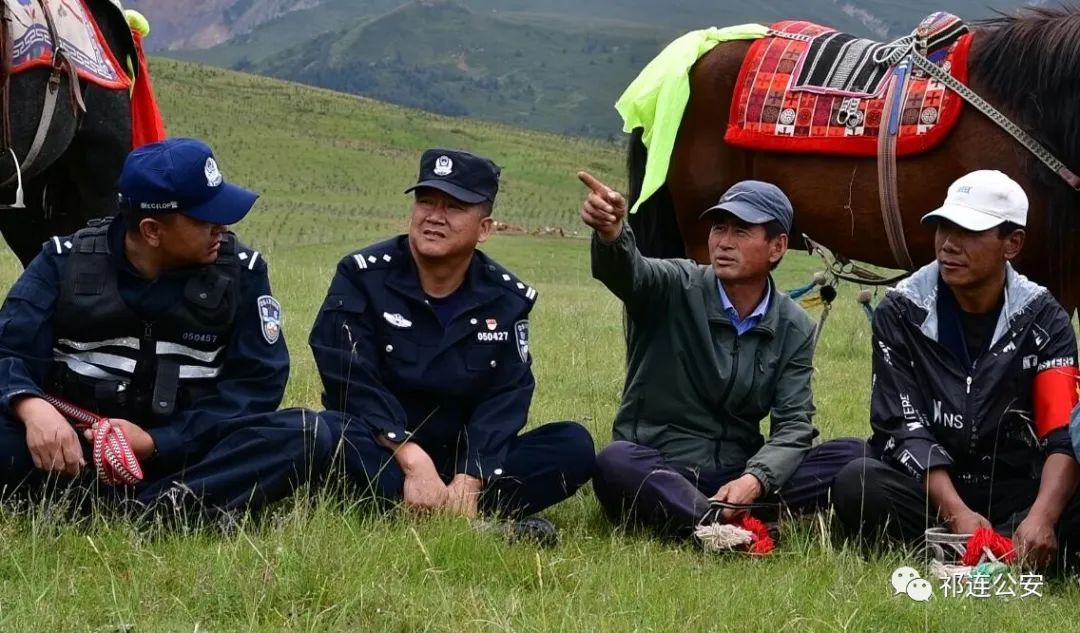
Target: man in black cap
712 350
423 348
161 320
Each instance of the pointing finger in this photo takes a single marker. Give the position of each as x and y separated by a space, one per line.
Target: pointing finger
591 182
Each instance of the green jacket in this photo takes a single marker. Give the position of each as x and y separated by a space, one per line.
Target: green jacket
694 390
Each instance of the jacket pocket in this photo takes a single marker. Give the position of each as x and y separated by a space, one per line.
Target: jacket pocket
481 358
398 349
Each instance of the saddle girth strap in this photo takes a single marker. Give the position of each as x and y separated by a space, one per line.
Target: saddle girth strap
888 195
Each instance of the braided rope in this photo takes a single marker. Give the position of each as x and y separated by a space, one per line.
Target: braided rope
111 453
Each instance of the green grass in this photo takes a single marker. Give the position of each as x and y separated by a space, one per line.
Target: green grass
331 169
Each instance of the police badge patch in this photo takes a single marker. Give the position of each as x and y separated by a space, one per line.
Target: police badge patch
521 335
270 315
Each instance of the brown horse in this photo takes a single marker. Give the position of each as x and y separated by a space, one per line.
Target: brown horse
1024 64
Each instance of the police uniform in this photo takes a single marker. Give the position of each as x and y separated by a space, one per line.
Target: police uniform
452 375
195 357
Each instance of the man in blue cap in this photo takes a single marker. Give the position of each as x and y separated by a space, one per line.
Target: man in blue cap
423 348
713 349
159 319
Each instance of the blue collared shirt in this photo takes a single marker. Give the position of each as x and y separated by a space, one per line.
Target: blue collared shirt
742 326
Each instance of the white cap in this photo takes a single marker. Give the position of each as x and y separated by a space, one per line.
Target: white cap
982 200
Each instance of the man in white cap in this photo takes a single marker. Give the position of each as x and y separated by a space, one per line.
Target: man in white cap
974 378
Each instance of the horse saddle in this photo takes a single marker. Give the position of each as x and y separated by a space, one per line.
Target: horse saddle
37 29
811 89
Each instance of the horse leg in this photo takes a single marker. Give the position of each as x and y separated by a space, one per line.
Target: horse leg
26 229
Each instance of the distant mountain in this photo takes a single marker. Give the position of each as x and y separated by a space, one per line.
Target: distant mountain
548 64
182 24
443 57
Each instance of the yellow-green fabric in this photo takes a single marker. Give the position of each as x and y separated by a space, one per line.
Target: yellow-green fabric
656 100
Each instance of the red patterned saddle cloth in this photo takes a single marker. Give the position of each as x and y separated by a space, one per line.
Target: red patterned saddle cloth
32 45
816 90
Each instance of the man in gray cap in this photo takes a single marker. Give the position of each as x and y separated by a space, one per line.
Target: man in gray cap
712 350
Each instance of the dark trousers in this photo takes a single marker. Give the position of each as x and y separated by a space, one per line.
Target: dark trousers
257 460
636 486
543 467
873 498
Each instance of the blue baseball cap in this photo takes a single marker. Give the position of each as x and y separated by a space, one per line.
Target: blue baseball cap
181 175
470 178
755 202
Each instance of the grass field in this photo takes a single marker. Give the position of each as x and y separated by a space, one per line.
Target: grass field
331 169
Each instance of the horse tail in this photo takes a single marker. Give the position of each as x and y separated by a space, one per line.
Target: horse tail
654 224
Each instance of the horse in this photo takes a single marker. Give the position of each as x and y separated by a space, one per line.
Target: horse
1023 63
76 173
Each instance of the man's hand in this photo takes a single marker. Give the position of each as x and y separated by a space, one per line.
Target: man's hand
966 521
745 489
464 495
1036 541
139 440
958 517
53 442
603 209
424 489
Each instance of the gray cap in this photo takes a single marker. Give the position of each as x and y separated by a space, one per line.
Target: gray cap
755 202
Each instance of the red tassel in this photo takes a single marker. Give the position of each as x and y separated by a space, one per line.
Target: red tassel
146 123
762 543
987 539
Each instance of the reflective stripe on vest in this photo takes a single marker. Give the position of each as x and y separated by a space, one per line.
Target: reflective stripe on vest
176 349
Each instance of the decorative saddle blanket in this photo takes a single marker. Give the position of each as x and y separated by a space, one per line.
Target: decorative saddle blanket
80 39
811 89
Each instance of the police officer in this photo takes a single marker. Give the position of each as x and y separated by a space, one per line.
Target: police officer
423 348
162 320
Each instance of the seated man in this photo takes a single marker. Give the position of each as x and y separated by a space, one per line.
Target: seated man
423 348
160 319
974 376
712 350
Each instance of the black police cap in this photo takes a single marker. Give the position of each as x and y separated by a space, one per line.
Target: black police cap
470 178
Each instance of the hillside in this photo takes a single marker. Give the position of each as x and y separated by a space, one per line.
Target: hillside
555 65
330 166
445 58
209 23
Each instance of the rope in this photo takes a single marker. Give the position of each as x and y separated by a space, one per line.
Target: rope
840 267
801 290
894 52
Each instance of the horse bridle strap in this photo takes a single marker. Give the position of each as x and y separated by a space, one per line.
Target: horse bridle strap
996 116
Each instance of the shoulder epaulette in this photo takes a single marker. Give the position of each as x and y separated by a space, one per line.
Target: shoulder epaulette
61 245
249 258
505 278
386 254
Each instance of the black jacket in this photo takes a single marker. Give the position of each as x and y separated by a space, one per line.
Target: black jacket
387 361
255 364
1002 415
